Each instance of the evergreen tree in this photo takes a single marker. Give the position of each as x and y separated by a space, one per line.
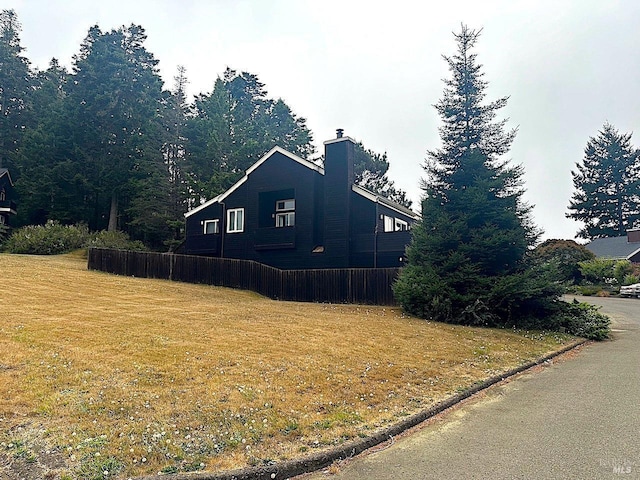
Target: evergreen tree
174 149
114 102
49 183
467 262
370 171
232 127
607 186
15 88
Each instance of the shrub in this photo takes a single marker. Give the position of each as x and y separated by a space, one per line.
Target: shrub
602 271
116 240
598 270
621 269
584 320
54 238
588 290
49 239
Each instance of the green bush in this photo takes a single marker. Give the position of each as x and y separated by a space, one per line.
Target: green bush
587 290
54 238
584 320
621 269
116 240
598 270
49 239
601 271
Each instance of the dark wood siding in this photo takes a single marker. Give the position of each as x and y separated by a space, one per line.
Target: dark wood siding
347 285
279 178
196 243
371 246
335 227
338 178
7 204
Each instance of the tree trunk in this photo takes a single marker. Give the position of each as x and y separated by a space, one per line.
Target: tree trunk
113 213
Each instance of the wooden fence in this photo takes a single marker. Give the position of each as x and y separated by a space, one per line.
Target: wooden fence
352 285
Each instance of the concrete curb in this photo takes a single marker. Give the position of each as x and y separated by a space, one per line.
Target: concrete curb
310 463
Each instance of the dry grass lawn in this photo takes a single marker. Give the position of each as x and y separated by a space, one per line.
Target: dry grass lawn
118 376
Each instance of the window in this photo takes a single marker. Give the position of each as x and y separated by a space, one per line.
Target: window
2 195
235 220
285 213
401 225
388 223
285 219
282 205
211 226
1 219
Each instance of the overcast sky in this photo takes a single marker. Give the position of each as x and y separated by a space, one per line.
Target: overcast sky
375 68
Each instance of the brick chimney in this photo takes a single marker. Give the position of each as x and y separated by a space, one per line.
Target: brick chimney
338 178
633 235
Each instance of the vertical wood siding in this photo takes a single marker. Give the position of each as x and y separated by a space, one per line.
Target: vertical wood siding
340 285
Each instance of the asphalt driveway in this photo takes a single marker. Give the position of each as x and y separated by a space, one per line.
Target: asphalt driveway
578 418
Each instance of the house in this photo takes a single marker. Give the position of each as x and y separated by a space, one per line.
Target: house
7 205
618 248
291 213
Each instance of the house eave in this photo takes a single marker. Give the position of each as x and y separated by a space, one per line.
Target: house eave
633 254
369 195
252 168
5 171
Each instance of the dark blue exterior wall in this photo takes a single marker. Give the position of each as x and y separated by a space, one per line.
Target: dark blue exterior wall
335 227
7 197
338 179
371 246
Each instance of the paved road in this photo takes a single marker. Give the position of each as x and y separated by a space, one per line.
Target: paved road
576 419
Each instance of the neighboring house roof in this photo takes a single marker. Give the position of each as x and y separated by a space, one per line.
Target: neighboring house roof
614 247
374 197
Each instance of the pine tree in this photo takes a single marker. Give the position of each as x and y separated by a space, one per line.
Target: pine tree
15 88
467 259
607 186
233 126
370 171
114 100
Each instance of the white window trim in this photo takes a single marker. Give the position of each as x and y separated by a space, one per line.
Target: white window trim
289 219
388 223
236 227
216 229
399 224
285 208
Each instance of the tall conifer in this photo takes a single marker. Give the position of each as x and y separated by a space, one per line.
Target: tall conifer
607 186
467 259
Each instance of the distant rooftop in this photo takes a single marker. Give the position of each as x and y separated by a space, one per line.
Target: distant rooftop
614 247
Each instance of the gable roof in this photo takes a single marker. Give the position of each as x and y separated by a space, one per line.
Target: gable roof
613 247
377 198
5 171
374 197
252 168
